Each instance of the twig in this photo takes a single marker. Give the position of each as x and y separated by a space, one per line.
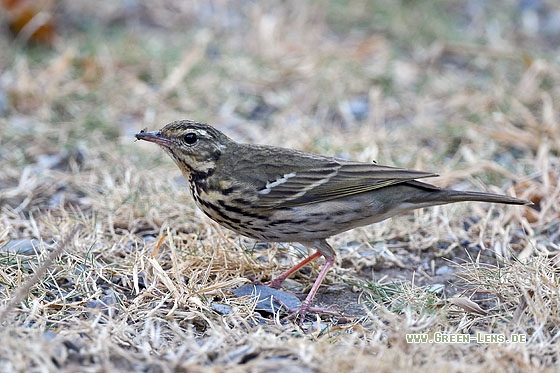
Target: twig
21 292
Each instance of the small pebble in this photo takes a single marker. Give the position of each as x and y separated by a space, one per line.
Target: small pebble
23 246
443 270
222 309
266 297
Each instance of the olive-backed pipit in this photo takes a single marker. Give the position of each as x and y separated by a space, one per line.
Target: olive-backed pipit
284 195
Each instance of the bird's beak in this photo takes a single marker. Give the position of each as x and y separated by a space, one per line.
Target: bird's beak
155 136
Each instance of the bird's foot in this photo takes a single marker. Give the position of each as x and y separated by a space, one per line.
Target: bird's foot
298 314
275 283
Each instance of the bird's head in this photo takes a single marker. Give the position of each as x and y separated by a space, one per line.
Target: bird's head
195 147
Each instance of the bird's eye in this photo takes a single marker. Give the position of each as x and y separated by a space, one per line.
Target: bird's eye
190 138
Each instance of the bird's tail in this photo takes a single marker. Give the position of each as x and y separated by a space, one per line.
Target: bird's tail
436 195
458 196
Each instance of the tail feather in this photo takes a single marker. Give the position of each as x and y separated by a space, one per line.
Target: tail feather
457 196
449 195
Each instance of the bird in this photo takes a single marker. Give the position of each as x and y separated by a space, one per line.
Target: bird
277 194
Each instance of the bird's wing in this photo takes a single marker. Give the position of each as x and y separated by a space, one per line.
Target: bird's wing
328 180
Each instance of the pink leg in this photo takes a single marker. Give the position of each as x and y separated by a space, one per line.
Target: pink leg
277 282
323 249
306 305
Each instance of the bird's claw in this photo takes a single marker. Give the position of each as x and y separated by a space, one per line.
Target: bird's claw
298 314
274 283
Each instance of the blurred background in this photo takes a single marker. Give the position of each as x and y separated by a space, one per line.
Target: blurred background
469 89
291 68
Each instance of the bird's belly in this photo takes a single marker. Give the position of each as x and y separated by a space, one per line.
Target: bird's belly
307 222
319 221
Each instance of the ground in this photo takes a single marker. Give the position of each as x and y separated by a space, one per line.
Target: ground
106 264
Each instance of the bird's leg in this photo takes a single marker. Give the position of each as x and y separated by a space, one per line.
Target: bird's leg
324 249
306 305
277 282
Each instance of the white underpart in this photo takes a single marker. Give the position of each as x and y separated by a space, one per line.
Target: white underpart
277 182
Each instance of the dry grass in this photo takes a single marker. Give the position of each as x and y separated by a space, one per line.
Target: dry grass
117 270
